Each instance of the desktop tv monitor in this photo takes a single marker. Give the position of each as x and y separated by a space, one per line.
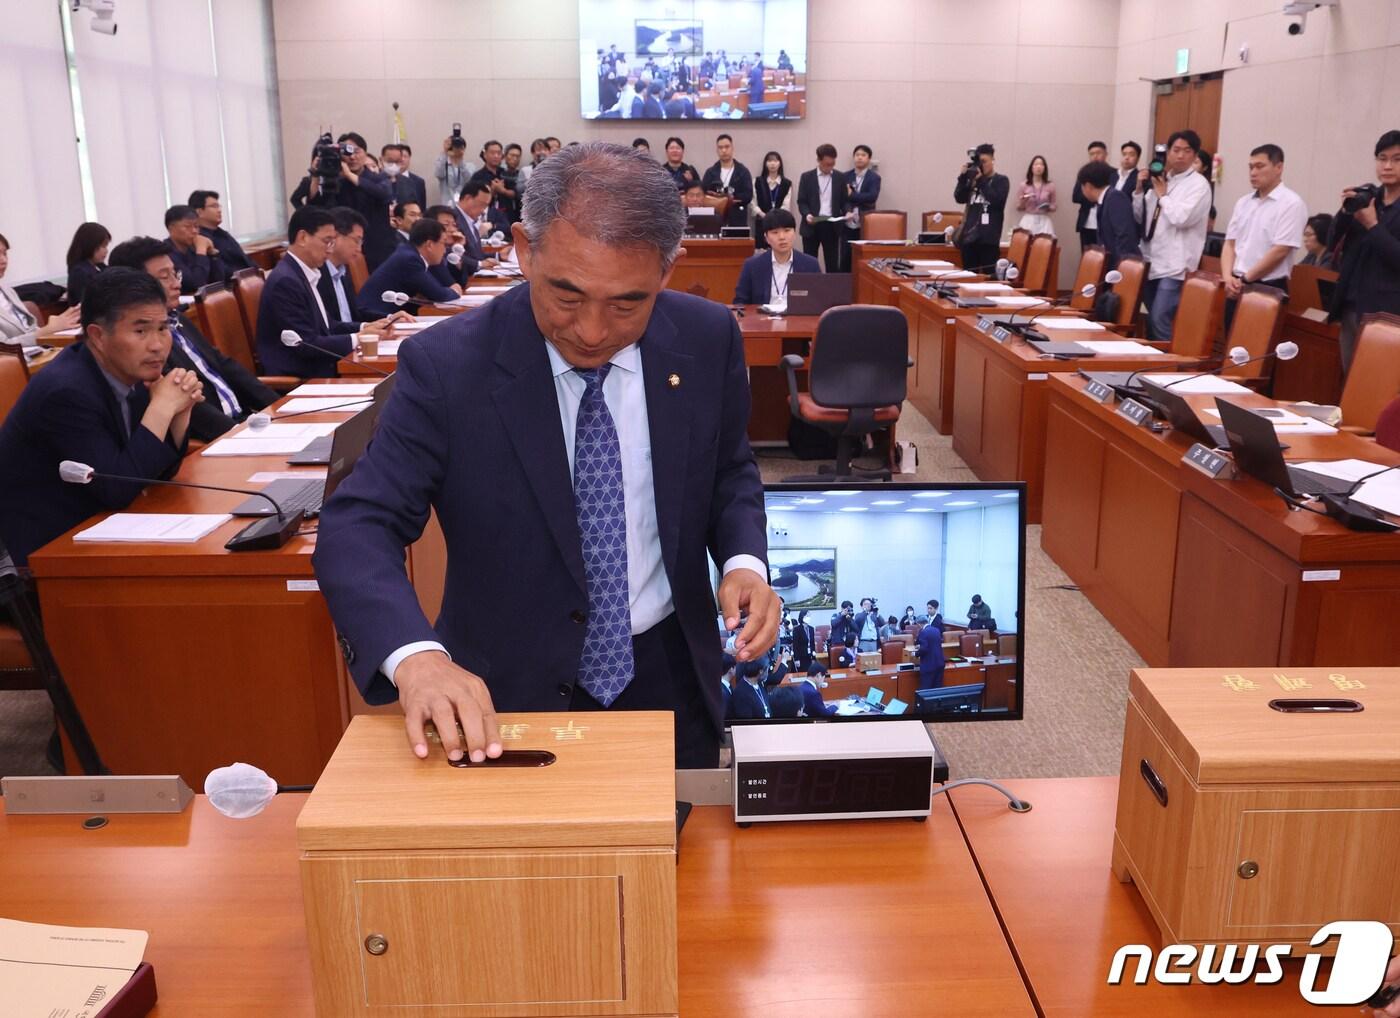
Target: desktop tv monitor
693 59
902 545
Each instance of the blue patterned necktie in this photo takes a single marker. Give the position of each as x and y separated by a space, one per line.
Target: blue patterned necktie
607 665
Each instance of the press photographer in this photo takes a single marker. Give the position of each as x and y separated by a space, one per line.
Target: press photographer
984 191
1172 206
1368 227
340 177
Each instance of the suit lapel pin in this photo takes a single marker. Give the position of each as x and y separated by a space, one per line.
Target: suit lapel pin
673 380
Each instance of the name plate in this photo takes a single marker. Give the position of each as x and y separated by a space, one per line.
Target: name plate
997 331
1208 461
1132 410
1099 392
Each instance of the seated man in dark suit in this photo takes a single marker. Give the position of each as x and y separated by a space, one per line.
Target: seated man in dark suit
103 402
335 286
408 270
291 302
763 279
1116 229
211 218
402 217
193 253
473 203
231 391
813 705
456 267
750 699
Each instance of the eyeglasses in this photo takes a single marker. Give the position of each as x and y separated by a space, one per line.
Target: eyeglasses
169 275
1388 160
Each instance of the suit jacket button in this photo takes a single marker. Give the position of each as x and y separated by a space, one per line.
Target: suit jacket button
346 651
577 615
565 689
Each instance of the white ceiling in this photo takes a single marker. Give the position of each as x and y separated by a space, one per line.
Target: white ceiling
925 499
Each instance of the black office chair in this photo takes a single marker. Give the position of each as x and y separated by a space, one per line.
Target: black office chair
856 382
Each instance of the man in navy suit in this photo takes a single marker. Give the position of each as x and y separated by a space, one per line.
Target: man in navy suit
583 441
1130 154
1117 230
755 81
863 193
335 286
472 204
813 706
843 629
403 185
930 653
290 301
103 401
821 195
1086 221
749 698
407 270
763 279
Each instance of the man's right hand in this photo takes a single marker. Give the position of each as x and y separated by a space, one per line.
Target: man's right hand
447 145
432 688
176 391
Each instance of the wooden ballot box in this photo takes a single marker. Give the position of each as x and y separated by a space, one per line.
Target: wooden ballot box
1247 814
495 891
867 659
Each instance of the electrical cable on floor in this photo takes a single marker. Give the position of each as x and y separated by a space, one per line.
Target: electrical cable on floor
1061 586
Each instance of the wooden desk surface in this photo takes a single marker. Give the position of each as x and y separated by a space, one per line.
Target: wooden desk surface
1066 914
876 918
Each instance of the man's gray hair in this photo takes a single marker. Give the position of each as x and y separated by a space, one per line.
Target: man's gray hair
610 194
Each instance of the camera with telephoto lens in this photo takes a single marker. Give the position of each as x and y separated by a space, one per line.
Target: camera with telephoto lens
1365 194
325 157
1158 166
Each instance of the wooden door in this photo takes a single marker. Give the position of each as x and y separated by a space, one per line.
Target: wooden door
1193 103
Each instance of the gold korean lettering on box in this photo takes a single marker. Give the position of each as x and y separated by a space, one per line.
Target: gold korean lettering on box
1239 683
1291 685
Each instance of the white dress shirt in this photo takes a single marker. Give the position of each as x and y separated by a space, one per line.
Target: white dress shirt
824 185
1259 223
17 325
778 292
1180 236
338 285
624 391
313 276
725 173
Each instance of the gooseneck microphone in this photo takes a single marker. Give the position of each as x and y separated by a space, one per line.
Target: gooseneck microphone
258 421
393 297
1087 290
267 532
293 339
1239 357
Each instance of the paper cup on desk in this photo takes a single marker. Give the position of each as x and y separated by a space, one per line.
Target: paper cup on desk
369 346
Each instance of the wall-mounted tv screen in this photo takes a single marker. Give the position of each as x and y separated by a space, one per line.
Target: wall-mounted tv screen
899 600
693 59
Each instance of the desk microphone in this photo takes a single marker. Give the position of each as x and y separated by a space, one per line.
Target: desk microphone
1237 357
1357 515
1087 290
293 339
1002 269
454 256
388 297
267 532
258 421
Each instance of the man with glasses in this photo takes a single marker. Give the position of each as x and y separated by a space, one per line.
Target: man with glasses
1172 208
231 391
1368 225
363 189
193 253
291 302
210 213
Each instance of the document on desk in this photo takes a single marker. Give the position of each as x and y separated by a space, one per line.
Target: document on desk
389 347
1119 347
1089 325
273 440
64 971
1016 301
347 404
467 301
1199 385
153 528
934 263
979 287
1284 422
349 389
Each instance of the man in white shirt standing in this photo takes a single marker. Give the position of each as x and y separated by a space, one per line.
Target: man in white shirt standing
1265 231
1172 210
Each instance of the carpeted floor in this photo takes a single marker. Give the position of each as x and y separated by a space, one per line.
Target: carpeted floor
1076 672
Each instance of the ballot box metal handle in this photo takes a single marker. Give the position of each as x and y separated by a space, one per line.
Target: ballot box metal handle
1154 781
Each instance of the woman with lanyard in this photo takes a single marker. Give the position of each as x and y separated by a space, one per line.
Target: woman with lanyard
1037 198
681 171
17 324
772 191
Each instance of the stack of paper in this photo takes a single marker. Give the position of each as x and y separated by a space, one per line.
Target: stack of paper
1381 492
467 301
346 404
154 528
930 263
982 287
1018 301
347 390
1121 348
1286 423
389 347
1198 385
62 970
273 440
1082 325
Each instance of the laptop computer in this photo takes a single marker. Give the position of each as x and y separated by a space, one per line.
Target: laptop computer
1061 349
318 450
1180 416
811 293
1254 444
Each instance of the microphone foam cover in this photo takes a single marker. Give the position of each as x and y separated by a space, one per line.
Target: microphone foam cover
1238 355
1286 351
74 472
290 338
1089 290
239 790
1114 276
258 421
1012 272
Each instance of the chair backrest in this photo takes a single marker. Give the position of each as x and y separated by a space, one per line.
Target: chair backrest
222 323
820 634
884 224
1388 425
1006 645
971 643
14 376
248 288
833 652
359 270
938 220
1258 316
892 652
1035 274
1198 314
1019 248
860 357
1092 264
1374 379
1129 289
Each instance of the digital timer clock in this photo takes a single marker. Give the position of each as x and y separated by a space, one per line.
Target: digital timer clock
832 771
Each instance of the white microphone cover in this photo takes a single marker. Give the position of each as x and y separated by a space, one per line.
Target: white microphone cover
938 217
74 472
1114 277
290 337
1238 355
239 790
388 296
1088 290
459 249
1287 350
454 258
1012 272
258 421
186 299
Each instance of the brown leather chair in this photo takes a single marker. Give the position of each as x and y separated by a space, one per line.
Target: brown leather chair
248 288
1388 425
937 220
1092 265
1129 289
832 653
359 271
971 643
1018 250
1006 645
1374 379
14 376
1035 275
884 224
1198 316
892 652
1258 317
220 319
